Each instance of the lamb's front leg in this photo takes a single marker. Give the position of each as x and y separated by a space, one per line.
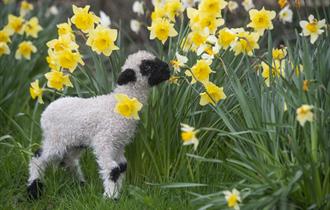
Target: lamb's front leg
109 168
123 167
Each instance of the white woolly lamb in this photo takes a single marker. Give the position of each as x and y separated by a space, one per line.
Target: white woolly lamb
70 124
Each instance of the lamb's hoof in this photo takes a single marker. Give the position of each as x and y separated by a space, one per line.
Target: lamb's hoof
35 189
114 197
82 183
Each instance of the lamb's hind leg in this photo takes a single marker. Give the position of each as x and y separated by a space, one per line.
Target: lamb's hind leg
37 168
71 161
109 168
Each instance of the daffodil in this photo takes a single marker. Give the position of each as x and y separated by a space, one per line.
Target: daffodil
188 135
4 49
138 7
212 95
233 198
179 62
312 28
4 36
25 8
36 91
279 53
174 80
210 22
52 60
25 49
68 59
162 29
65 29
32 27
127 107
158 13
226 37
232 6
102 40
306 85
282 3
57 80
197 38
173 8
304 114
210 49
248 4
276 70
261 20
286 15
64 42
246 42
83 18
200 71
15 25
212 7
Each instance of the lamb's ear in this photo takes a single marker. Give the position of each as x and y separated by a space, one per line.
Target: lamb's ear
128 75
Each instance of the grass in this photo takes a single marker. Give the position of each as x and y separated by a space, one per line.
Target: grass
63 191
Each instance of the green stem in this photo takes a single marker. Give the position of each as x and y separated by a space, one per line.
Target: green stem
314 141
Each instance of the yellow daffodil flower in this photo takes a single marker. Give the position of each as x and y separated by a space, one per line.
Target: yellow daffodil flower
162 29
127 107
306 85
65 29
233 198
312 28
173 8
200 71
25 8
198 37
188 135
25 49
261 20
277 69
212 7
4 49
5 36
279 53
64 42
52 60
83 19
226 37
15 25
282 3
36 91
68 59
102 40
32 27
245 43
212 95
57 80
304 114
158 13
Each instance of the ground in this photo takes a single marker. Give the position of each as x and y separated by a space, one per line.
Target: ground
64 192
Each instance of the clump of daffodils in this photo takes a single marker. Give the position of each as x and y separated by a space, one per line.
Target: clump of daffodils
64 56
19 25
163 20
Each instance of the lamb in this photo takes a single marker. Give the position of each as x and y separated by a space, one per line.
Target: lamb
71 124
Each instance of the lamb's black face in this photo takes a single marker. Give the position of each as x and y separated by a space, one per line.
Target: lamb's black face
156 70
